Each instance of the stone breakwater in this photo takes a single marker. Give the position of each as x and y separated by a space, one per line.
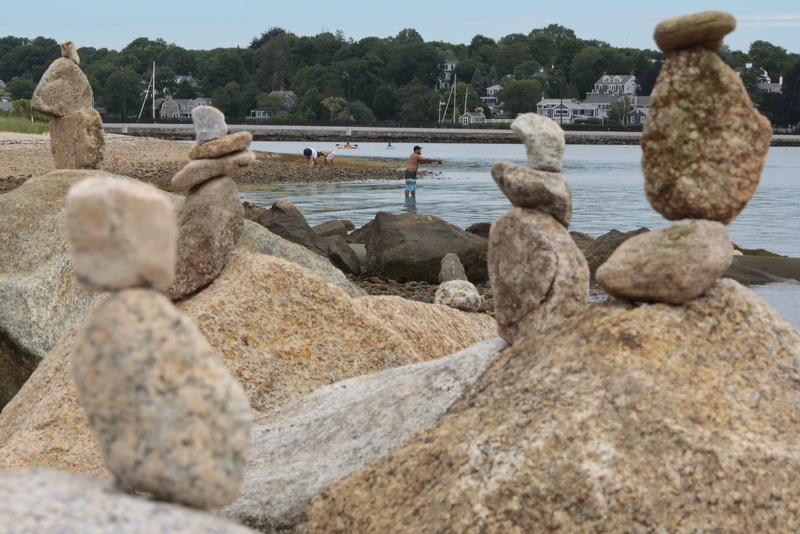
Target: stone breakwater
181 132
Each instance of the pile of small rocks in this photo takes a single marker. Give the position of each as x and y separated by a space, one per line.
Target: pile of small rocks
704 146
212 218
76 131
169 417
539 275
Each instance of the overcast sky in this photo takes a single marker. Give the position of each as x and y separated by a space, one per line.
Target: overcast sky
200 25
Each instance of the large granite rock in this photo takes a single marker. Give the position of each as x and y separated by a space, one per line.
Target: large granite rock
40 297
44 501
543 139
76 140
658 418
704 29
285 220
411 247
532 188
319 439
703 144
285 334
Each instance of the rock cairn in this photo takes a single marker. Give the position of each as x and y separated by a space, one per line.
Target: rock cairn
212 218
76 131
704 147
539 275
169 417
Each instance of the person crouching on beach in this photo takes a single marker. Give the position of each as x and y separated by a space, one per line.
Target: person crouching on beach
328 155
412 168
311 156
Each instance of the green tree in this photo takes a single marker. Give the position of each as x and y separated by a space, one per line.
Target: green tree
619 111
20 87
520 96
418 103
771 58
415 61
337 106
787 110
271 103
122 92
506 57
228 99
360 112
264 38
385 102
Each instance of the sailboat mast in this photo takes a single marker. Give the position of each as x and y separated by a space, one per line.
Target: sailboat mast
154 91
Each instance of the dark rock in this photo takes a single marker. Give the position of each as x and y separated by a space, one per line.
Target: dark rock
361 235
583 241
329 228
480 229
285 220
411 247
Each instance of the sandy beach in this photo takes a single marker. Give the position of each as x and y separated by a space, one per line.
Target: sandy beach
149 159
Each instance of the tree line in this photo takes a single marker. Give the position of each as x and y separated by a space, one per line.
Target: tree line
377 79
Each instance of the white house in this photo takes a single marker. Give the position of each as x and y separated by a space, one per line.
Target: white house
446 73
472 117
490 100
566 111
615 84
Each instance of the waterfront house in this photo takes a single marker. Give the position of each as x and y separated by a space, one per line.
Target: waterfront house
490 100
446 73
615 84
566 111
180 108
472 117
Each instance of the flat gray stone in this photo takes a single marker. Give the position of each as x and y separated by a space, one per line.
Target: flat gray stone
198 171
452 269
227 144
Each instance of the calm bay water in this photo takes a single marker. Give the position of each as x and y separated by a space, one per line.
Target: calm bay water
607 193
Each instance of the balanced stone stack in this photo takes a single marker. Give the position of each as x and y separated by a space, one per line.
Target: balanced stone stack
539 275
704 147
168 416
76 131
455 290
212 218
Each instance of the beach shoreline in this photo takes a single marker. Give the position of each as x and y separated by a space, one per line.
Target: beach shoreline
156 161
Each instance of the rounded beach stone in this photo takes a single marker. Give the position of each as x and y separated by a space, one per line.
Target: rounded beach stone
198 171
63 89
77 140
671 265
704 29
209 123
539 275
543 139
209 226
169 417
458 294
123 234
703 144
531 188
221 146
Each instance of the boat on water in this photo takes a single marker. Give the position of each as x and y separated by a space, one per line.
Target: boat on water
347 145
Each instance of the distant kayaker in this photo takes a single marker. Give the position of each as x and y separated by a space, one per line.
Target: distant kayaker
412 168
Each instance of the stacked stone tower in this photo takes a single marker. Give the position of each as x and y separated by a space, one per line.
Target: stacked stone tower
540 277
169 417
704 146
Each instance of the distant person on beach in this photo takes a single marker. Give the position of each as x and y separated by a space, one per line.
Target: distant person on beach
311 156
328 155
412 168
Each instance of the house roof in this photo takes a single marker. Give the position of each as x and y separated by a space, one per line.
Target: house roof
614 78
601 98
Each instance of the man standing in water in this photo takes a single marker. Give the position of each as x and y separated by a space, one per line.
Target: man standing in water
412 168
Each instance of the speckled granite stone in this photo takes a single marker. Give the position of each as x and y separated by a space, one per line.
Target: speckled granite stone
458 294
539 275
227 144
122 234
68 51
673 265
624 418
704 29
543 139
198 171
76 140
209 123
703 144
48 502
210 223
452 269
169 417
63 89
531 188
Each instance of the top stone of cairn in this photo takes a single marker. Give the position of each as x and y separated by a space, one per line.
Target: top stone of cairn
209 123
543 139
704 29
